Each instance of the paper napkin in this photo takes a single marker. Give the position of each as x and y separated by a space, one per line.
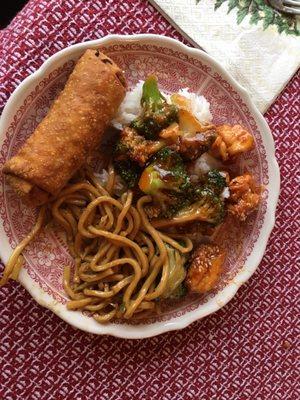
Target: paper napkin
259 46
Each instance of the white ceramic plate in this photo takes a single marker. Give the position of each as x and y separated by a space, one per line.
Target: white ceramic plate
176 66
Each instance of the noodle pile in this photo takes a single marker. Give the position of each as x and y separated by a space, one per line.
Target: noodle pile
121 260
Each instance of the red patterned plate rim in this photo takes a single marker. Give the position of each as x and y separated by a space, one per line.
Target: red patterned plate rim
253 259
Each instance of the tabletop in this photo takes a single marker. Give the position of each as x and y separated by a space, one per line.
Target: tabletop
247 350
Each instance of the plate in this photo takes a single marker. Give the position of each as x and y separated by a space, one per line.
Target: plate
176 66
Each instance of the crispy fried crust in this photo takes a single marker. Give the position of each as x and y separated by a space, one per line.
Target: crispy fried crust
29 193
205 268
231 141
245 196
72 128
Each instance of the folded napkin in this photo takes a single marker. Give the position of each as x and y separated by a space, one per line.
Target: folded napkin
259 46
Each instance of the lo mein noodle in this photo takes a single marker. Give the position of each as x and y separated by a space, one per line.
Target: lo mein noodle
121 261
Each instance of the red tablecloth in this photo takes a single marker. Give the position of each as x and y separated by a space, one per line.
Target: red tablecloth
248 350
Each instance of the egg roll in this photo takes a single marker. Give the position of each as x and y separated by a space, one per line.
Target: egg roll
71 130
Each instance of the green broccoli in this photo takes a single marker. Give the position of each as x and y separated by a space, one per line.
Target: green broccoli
129 171
122 308
157 114
177 273
215 181
209 207
179 292
136 147
167 181
205 203
202 204
121 148
165 171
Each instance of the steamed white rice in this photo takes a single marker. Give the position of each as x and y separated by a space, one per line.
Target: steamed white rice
200 106
131 106
203 165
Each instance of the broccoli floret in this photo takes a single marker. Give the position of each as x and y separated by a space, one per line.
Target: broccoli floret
179 292
157 114
122 308
177 273
165 171
215 181
121 148
203 205
205 202
209 207
129 171
176 203
167 181
136 147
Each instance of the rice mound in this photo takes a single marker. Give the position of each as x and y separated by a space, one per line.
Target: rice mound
200 106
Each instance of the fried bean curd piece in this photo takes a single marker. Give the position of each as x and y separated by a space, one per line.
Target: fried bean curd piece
244 197
231 141
205 268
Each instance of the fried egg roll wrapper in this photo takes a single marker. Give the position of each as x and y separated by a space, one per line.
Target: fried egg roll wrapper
71 130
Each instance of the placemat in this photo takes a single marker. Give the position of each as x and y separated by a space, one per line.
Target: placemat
247 350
